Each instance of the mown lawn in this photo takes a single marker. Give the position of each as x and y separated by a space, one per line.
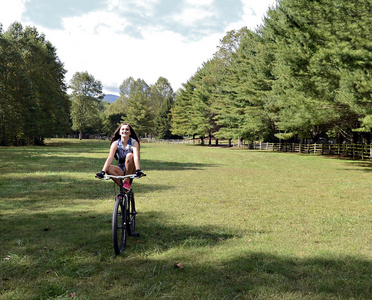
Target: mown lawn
243 224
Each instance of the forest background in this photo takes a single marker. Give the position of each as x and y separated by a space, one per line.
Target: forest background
304 75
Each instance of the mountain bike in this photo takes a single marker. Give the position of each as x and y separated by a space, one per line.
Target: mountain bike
124 215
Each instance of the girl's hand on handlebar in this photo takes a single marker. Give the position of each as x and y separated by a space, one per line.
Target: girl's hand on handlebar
139 173
100 174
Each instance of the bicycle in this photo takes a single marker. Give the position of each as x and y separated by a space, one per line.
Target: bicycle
124 215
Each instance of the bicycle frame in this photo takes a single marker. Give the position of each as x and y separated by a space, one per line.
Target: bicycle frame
123 220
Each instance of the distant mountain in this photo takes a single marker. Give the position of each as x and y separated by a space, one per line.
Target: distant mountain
110 98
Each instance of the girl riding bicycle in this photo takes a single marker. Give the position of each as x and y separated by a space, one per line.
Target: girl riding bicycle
125 147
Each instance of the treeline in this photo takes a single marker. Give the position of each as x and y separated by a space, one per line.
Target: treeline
304 74
34 103
145 107
33 99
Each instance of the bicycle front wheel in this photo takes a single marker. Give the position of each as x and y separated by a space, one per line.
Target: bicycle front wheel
131 214
119 224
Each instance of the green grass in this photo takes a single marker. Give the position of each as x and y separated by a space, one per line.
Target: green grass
245 225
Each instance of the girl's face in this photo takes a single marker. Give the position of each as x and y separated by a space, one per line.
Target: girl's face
125 130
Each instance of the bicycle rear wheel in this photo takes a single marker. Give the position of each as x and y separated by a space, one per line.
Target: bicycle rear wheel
119 224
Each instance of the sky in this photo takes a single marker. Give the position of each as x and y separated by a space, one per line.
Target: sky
116 39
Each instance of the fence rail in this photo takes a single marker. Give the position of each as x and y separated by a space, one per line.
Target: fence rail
355 151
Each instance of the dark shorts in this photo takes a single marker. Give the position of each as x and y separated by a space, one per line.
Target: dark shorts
122 166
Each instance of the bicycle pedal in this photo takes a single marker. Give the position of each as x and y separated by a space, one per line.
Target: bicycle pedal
135 234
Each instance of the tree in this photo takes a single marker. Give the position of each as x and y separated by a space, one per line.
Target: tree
322 64
136 96
139 114
34 102
163 120
180 124
12 91
242 83
162 97
86 101
202 115
112 115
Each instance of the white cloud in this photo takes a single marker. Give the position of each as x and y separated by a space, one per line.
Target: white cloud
98 22
143 7
11 11
253 14
199 2
96 42
112 57
190 16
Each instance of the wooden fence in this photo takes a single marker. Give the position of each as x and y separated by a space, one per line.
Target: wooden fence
355 151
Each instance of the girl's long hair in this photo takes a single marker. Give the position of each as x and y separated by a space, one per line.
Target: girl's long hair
117 136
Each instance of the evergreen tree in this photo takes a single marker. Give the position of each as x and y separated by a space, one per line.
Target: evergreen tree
163 120
322 62
180 124
202 116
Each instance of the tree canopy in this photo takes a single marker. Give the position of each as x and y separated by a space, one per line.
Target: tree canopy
33 99
304 74
86 101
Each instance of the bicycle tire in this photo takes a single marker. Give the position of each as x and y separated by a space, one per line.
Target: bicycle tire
119 224
131 213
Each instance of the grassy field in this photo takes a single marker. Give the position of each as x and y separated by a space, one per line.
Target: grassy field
244 224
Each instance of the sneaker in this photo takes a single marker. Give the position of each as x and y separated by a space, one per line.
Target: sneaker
126 185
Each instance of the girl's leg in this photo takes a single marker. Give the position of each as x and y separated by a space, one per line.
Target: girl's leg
116 171
130 168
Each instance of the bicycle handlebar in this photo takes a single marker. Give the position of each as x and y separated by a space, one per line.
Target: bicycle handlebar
132 176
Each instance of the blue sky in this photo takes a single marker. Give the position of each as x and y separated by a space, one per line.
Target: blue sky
115 39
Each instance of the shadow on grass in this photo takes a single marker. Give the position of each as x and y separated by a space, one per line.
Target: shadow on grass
51 162
365 166
75 246
172 166
78 246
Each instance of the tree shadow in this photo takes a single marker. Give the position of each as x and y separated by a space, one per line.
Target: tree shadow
52 239
160 165
366 166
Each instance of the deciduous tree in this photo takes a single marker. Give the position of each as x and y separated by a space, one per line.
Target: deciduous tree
86 101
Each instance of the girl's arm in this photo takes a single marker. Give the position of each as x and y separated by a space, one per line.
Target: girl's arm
136 155
110 157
